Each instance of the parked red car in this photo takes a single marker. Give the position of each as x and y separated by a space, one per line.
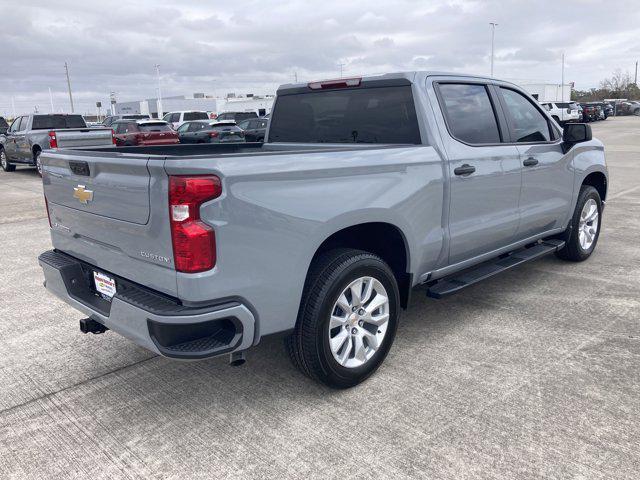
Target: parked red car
144 132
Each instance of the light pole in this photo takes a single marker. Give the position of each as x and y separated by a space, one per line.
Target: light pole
341 65
562 79
51 100
493 36
160 112
66 69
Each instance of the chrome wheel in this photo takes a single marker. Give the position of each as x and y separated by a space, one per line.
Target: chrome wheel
359 322
3 160
588 226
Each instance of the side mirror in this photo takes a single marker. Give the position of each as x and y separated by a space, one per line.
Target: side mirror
576 133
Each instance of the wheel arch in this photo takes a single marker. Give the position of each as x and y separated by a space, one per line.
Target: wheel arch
380 238
597 180
35 148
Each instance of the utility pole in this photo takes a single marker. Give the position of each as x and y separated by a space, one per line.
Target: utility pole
636 79
295 76
562 79
341 65
160 112
13 106
493 37
66 69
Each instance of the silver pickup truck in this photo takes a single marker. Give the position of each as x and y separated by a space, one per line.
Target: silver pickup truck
29 135
363 189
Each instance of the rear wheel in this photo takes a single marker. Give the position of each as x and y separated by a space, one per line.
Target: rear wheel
347 319
4 162
583 232
37 161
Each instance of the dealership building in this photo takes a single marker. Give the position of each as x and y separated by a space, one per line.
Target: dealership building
261 104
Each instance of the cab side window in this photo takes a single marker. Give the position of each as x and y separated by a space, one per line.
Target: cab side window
528 124
469 113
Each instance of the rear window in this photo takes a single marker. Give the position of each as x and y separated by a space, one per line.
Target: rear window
50 122
195 116
3 123
365 115
562 105
154 127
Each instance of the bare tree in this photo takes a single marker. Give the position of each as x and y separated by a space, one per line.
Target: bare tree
618 84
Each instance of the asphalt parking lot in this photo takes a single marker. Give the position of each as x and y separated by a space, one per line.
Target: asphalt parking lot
532 374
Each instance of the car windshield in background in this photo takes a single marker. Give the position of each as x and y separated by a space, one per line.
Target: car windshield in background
50 122
195 116
365 115
154 127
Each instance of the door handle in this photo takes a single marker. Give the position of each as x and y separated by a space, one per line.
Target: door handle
465 169
530 162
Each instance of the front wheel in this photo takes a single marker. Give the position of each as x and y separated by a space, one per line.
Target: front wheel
584 229
347 320
4 162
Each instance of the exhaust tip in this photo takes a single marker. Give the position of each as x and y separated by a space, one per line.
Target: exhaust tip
237 359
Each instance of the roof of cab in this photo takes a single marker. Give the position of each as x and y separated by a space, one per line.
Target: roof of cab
391 79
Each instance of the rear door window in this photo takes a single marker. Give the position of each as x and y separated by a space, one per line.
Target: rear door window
528 124
197 126
358 115
469 113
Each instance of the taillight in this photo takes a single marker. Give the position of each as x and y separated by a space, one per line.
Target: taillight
339 83
194 242
53 141
113 137
214 134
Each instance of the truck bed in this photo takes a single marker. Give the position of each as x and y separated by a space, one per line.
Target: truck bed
212 150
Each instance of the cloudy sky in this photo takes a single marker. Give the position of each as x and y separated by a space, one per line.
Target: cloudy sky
250 46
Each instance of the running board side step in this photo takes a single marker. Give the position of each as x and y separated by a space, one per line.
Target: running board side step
470 276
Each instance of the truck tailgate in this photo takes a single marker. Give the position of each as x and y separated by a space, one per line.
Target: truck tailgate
111 211
117 188
85 137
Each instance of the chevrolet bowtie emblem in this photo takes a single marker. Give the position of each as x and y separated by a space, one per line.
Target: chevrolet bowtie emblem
83 196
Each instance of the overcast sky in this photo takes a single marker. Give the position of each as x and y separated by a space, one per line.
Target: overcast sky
250 46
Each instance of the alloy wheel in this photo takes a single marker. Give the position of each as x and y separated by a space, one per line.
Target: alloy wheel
359 321
588 226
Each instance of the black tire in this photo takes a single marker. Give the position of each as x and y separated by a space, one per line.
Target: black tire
4 162
328 276
572 250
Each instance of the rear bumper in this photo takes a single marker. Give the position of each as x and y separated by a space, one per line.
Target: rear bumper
152 320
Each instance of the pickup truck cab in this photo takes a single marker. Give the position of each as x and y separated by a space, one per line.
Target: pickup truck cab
363 189
175 119
29 135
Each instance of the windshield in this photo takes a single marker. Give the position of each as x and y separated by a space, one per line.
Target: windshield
363 115
50 122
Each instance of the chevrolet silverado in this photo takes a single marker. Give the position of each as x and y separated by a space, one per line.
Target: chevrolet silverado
363 189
